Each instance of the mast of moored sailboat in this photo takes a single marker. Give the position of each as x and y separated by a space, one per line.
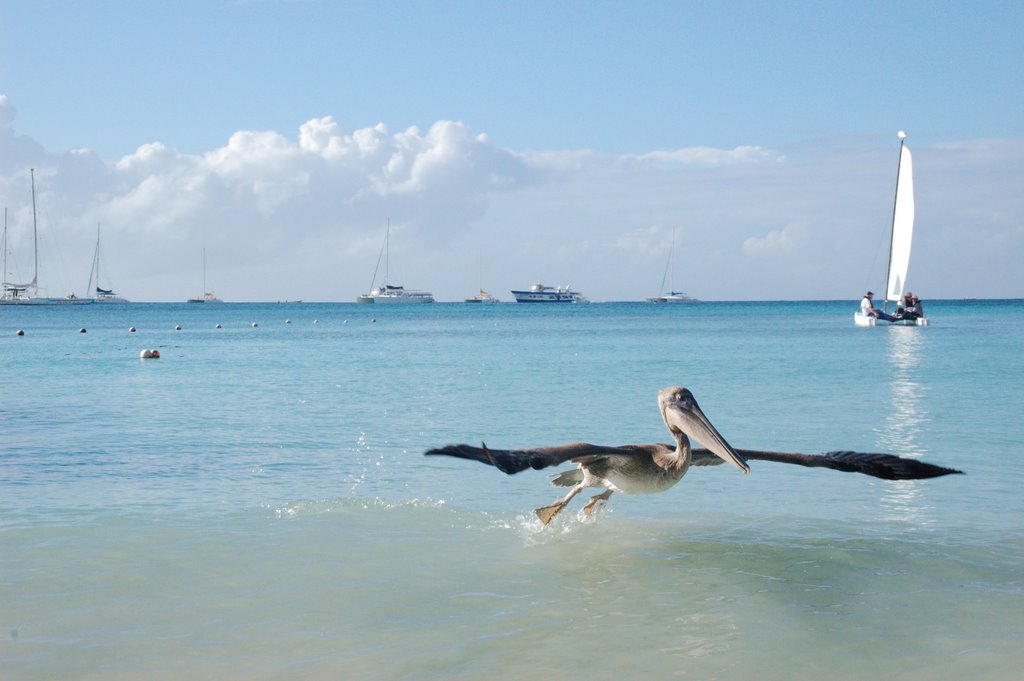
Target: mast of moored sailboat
35 235
3 292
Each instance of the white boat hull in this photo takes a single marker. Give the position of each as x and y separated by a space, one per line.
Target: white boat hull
676 298
45 301
540 293
395 300
867 320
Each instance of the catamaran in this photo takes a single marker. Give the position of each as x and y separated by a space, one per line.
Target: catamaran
483 297
671 295
901 238
388 293
28 294
101 295
208 296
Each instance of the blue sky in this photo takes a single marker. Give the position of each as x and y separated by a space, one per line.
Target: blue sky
561 142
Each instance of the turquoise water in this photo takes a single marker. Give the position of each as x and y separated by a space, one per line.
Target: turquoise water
254 504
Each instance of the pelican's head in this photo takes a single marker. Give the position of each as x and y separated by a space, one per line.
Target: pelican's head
684 418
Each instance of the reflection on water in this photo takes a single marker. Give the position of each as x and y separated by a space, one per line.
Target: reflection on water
905 419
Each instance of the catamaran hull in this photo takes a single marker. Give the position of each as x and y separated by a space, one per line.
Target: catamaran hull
867 321
46 301
395 300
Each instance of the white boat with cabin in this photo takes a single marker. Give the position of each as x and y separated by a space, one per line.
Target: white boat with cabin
539 293
900 242
383 295
387 293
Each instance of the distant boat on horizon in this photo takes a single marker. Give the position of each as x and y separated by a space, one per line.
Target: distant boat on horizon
539 293
28 294
101 295
483 297
671 295
208 296
387 293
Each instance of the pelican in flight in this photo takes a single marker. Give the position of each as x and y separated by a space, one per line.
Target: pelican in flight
645 469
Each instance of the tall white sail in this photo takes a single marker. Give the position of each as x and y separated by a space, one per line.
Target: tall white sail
902 228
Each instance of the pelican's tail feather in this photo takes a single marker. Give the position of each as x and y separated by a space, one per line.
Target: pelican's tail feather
568 478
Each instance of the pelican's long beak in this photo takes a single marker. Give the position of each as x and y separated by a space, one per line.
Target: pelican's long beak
684 414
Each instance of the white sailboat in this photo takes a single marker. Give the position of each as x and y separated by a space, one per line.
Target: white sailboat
388 293
900 242
671 295
208 296
28 294
101 295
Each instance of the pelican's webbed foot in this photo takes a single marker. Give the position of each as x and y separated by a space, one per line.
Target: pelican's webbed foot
547 513
588 510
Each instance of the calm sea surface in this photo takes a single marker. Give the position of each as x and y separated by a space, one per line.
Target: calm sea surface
255 504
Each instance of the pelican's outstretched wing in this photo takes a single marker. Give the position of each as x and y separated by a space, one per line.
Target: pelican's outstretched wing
517 460
885 466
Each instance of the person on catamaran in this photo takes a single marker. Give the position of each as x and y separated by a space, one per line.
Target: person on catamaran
914 309
867 308
910 307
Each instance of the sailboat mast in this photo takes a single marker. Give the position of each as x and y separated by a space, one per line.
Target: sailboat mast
892 230
35 233
5 246
89 291
672 264
387 254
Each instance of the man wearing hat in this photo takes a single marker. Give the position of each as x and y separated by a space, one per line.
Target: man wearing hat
867 308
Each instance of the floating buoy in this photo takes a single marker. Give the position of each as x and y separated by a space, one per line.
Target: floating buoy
254 325
20 333
287 321
149 354
81 330
345 321
131 329
316 321
373 321
216 326
177 327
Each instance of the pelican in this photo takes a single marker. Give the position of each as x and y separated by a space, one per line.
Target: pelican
649 468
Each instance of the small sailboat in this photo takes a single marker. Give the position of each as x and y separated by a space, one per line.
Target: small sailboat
208 296
671 295
900 241
387 293
101 295
28 294
483 296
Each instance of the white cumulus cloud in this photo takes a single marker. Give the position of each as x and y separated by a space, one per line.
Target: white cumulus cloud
303 215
